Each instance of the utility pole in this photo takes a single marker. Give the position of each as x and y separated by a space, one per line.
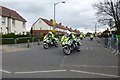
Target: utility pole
95 28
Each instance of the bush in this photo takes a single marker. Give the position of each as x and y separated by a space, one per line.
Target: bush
7 40
10 38
116 32
11 35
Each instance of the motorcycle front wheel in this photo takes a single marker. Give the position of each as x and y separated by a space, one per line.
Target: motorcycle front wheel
46 46
67 51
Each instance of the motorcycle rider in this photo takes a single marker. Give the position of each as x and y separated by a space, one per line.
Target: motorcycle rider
50 36
72 36
72 39
91 36
81 36
65 37
68 37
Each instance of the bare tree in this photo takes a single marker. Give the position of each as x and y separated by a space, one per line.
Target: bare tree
107 9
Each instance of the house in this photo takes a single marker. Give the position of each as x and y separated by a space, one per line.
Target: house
113 29
43 26
11 22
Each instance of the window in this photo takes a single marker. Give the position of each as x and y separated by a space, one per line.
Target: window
23 24
23 33
39 21
13 22
40 28
3 20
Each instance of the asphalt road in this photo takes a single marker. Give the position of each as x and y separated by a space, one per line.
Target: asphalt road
94 61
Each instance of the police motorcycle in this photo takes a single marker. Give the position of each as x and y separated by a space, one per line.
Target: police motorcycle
91 38
48 42
71 45
81 38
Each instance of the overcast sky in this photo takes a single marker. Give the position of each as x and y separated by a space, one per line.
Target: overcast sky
78 14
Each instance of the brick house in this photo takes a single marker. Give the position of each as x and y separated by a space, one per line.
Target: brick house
43 26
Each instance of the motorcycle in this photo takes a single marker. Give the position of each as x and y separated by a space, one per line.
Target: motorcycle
74 45
91 38
48 43
81 38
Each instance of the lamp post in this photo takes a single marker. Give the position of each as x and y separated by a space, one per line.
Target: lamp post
95 27
54 22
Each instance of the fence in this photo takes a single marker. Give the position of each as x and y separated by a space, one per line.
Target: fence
110 43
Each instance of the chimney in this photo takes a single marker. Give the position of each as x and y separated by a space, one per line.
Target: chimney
51 20
59 23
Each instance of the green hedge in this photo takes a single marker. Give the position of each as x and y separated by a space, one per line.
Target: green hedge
12 35
10 38
7 41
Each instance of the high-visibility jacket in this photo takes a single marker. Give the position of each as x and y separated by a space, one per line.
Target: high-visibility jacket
91 36
45 37
81 36
49 36
64 38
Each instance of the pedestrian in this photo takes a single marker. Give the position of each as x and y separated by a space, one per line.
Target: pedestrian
118 43
106 40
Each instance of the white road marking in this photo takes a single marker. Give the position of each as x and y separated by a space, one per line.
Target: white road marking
29 72
87 48
94 66
94 73
5 71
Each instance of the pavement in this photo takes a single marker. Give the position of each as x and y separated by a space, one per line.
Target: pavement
94 61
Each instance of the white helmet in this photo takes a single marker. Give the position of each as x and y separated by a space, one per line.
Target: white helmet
68 32
50 32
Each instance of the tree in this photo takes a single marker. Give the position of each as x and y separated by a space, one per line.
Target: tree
107 9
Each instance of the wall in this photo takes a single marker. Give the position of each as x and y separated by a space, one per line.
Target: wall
41 25
17 28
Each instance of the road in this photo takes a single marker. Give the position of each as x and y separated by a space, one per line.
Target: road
94 61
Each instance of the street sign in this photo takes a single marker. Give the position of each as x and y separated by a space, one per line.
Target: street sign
54 22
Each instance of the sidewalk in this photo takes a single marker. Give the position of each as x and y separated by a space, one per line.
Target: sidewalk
111 45
18 47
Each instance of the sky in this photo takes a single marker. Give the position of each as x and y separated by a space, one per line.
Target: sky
78 14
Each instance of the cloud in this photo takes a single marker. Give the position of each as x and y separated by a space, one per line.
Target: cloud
74 13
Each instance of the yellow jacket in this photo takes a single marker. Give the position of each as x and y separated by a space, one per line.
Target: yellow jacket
64 38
